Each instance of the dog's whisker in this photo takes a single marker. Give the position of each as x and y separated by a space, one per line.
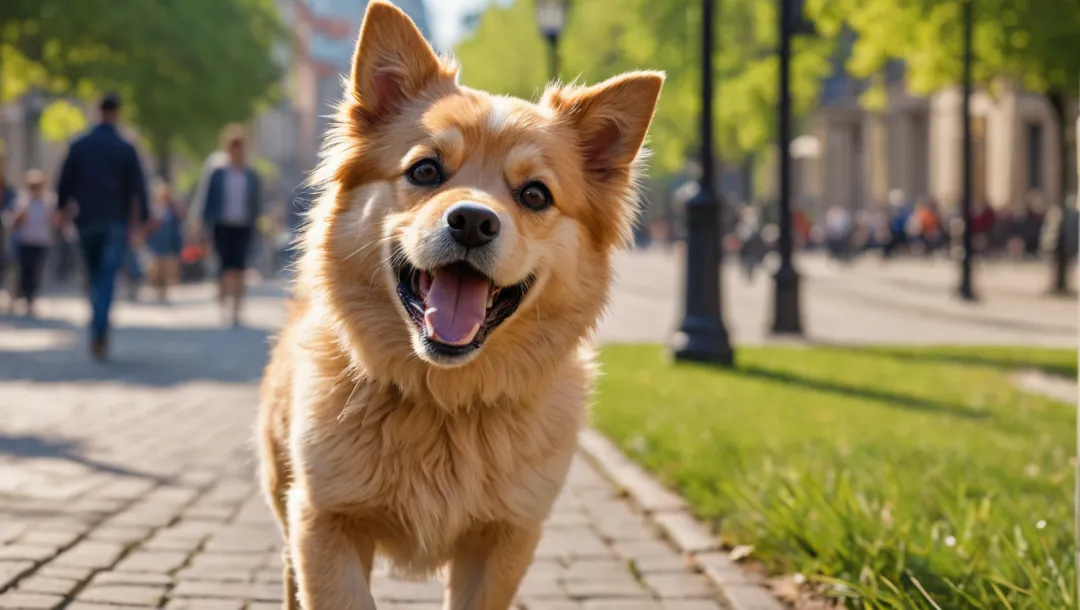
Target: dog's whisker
392 260
368 246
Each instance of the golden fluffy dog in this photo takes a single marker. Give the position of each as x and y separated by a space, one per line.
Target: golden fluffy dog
424 398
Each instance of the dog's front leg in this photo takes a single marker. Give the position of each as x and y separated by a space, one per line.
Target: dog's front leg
488 566
330 572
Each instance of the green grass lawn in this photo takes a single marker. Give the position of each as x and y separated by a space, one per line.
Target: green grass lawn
871 471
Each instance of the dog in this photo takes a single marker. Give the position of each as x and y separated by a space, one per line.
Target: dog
422 401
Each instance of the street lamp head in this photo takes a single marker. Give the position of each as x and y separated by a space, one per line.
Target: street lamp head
551 16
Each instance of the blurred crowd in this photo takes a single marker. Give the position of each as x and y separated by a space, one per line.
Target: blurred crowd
64 230
902 227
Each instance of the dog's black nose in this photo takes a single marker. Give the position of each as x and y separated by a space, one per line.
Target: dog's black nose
471 224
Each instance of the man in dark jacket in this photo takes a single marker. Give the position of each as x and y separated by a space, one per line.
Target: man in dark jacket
102 176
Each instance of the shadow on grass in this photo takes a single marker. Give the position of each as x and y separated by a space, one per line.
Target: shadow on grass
892 399
942 356
31 447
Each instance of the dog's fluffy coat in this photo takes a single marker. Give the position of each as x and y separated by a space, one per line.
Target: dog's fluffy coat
371 442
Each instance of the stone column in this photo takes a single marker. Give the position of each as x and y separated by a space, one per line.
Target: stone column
946 146
1005 148
876 159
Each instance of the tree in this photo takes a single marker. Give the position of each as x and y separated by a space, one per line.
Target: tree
506 54
1034 43
184 68
190 71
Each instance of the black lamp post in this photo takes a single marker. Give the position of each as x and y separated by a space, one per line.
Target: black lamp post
551 15
702 334
786 315
966 292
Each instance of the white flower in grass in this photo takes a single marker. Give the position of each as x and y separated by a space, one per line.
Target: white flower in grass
1040 524
798 578
950 541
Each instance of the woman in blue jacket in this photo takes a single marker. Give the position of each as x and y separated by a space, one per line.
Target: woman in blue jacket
233 205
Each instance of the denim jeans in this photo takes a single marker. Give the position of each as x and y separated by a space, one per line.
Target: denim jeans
103 247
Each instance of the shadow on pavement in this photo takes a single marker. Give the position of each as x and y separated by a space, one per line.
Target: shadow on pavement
891 399
142 356
30 447
943 356
997 322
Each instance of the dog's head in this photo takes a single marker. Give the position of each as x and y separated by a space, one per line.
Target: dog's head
465 235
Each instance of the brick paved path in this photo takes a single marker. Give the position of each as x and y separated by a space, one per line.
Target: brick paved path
132 485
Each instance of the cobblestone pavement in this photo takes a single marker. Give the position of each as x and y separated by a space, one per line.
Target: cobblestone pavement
131 485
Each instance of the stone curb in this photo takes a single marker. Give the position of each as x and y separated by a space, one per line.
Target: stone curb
669 513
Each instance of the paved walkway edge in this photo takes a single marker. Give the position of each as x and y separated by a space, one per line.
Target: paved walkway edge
669 513
1061 389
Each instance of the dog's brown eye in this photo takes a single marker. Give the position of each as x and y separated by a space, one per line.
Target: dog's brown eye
425 173
535 196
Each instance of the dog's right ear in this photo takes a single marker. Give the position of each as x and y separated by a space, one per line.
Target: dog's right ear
392 63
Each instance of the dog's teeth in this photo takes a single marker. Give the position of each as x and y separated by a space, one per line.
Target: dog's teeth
491 298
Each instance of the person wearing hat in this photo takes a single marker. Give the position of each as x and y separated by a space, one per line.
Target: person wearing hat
103 179
34 224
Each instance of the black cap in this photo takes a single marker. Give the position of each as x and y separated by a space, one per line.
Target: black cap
110 101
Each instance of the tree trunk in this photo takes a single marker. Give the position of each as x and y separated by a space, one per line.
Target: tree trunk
1060 284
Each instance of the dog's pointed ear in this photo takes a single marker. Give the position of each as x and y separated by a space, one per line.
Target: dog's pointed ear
611 119
392 64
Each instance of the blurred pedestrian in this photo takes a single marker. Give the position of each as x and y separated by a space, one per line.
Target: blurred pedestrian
102 176
900 211
7 207
839 232
132 268
193 226
924 226
33 225
1031 224
233 204
983 219
166 242
752 246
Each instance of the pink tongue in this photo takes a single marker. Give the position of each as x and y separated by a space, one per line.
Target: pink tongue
456 305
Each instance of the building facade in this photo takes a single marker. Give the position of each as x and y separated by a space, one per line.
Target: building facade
914 144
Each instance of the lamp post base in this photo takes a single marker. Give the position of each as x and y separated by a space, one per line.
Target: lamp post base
705 340
787 319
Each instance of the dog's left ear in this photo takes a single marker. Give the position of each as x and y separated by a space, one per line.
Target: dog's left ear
611 119
392 64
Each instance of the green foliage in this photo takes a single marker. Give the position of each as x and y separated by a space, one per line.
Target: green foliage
185 68
604 37
1033 41
867 469
61 120
506 53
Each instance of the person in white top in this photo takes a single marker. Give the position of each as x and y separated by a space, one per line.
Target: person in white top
232 207
35 222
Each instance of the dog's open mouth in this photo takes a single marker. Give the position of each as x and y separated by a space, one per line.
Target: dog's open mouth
456 307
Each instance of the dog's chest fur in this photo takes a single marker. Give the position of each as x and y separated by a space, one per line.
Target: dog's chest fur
422 476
